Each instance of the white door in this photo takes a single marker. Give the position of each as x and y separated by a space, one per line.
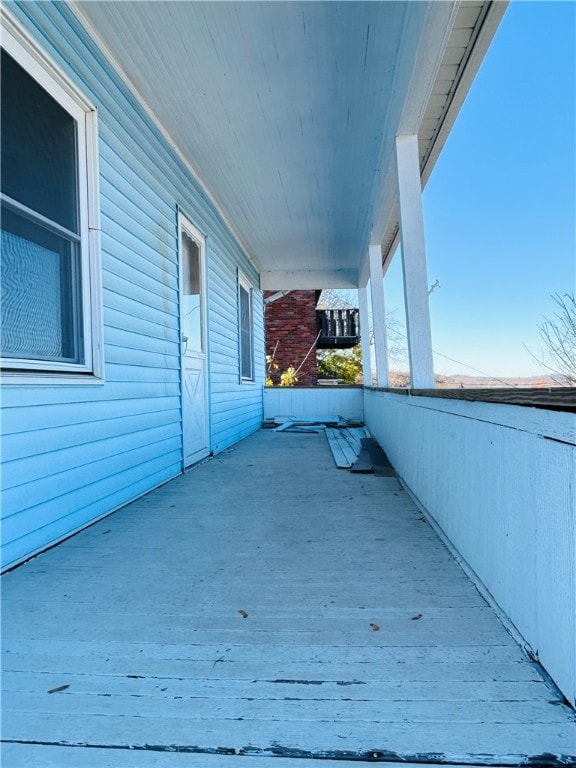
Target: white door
195 422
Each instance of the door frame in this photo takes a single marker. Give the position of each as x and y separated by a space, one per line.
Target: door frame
184 224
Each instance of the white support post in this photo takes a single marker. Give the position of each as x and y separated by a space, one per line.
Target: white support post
365 336
378 315
414 262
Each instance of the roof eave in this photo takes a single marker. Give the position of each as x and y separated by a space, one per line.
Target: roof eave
431 146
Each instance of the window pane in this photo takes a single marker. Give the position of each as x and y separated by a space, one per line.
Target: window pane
40 290
191 293
245 334
38 148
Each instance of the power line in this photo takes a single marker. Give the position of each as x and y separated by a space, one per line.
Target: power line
459 362
477 370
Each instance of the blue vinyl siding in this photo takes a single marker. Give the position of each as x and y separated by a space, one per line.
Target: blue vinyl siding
74 453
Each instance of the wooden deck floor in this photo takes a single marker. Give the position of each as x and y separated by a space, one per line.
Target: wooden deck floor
264 610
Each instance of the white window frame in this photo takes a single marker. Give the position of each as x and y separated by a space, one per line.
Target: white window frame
26 52
244 283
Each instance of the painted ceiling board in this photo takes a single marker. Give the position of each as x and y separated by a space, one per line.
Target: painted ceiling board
287 111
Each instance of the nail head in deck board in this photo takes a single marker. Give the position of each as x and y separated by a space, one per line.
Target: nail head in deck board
305 566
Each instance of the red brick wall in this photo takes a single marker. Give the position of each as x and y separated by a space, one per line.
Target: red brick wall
290 324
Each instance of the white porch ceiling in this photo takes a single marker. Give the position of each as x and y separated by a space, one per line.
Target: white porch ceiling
287 111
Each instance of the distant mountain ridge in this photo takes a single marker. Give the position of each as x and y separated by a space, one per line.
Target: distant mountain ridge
463 381
479 382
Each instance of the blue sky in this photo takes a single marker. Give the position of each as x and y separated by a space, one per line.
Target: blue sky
499 207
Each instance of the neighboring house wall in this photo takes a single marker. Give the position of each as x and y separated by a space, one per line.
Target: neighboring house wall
291 335
499 480
73 453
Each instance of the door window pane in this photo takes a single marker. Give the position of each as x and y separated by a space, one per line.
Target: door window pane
245 333
191 294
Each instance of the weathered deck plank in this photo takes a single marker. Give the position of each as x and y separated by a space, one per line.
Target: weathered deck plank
73 757
196 687
363 637
314 738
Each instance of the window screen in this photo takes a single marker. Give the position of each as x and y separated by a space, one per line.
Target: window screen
41 267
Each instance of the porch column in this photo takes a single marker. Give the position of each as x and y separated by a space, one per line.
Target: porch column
365 336
414 262
378 315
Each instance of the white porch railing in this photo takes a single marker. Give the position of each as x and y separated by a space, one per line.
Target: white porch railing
312 402
500 482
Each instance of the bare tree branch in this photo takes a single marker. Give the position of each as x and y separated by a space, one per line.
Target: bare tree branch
559 336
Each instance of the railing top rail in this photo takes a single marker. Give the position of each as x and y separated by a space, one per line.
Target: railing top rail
552 398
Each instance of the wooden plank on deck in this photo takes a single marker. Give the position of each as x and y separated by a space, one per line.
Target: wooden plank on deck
342 452
345 444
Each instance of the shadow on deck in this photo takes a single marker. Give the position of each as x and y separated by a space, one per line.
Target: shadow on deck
268 605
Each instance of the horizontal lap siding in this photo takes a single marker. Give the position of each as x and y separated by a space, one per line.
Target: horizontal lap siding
236 406
74 453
